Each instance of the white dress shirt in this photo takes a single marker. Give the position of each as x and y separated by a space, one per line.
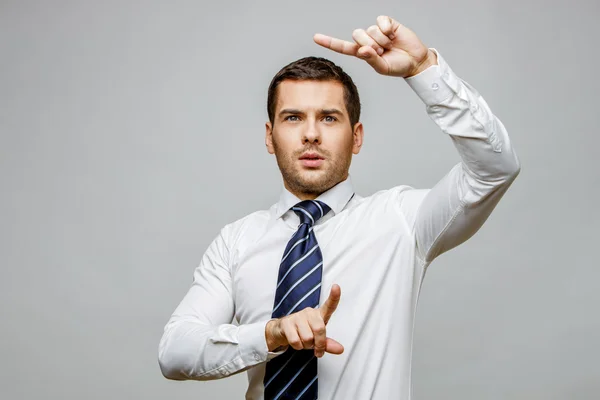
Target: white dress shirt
376 248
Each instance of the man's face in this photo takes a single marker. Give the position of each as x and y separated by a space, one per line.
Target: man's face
311 136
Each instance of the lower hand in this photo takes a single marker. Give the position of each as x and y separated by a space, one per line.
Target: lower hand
306 329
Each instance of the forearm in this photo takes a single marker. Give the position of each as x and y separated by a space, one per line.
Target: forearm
462 113
192 350
199 342
459 204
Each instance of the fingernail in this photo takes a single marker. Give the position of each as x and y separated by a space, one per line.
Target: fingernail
380 51
392 36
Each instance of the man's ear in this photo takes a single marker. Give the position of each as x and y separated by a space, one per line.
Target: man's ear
269 137
358 135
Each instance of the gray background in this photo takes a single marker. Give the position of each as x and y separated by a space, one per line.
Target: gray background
132 131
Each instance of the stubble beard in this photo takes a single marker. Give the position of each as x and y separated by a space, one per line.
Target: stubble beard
311 181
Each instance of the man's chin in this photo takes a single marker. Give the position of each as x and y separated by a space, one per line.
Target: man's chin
313 176
315 182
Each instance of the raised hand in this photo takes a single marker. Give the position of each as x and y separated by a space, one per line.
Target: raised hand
389 47
306 329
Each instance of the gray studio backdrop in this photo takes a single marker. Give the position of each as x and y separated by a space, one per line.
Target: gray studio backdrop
132 131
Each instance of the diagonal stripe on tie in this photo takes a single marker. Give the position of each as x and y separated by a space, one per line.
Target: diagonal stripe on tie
309 391
294 379
293 374
298 282
289 251
287 268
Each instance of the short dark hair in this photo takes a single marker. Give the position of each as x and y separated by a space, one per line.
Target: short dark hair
316 69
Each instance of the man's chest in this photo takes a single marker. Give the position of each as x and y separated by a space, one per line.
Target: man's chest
359 256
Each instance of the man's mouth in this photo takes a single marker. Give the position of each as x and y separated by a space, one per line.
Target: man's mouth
311 160
311 156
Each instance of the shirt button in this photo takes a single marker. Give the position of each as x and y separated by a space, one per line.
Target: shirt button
256 357
475 107
435 86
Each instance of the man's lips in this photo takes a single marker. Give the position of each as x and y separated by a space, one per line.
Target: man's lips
311 160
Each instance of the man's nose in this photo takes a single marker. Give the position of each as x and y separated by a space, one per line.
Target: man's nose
312 133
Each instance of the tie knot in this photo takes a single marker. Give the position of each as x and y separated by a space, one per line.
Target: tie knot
310 211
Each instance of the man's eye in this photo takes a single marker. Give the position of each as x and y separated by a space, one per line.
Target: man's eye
292 118
330 118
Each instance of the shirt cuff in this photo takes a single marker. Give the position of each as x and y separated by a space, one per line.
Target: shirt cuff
432 85
253 343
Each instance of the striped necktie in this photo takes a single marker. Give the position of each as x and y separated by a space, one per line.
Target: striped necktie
293 374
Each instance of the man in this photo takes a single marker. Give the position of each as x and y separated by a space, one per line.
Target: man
266 270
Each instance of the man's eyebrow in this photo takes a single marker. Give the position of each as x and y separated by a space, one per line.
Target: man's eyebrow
290 111
331 111
321 111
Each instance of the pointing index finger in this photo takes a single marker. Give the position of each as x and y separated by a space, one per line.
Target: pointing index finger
337 45
331 303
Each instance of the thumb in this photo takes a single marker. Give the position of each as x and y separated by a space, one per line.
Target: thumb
334 347
369 54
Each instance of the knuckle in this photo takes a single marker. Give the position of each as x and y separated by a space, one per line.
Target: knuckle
289 328
307 339
286 323
372 29
305 313
319 329
296 344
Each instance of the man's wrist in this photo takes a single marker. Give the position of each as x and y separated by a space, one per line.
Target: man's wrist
272 343
429 61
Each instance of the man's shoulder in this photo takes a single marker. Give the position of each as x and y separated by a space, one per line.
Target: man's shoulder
402 201
395 194
253 217
233 230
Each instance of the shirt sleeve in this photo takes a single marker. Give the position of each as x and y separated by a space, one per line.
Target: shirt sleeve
457 206
199 342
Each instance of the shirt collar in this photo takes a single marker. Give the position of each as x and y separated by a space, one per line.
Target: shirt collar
336 198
